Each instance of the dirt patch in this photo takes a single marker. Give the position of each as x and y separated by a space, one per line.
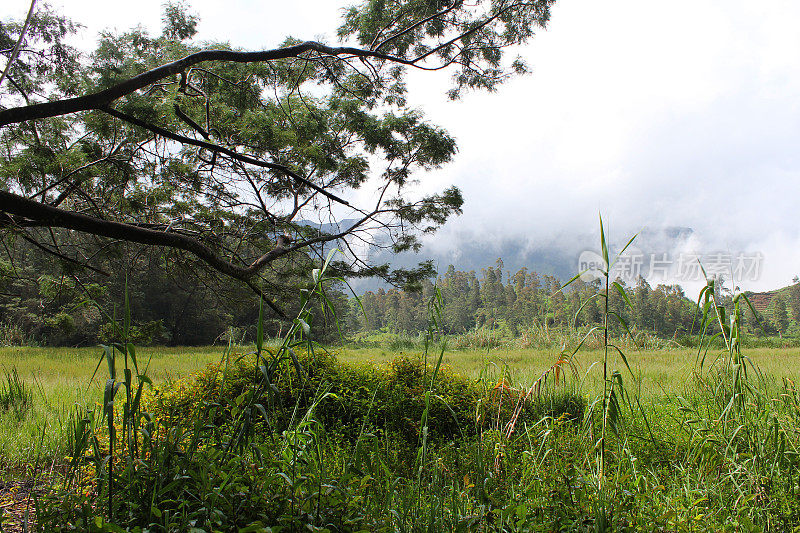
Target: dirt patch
16 503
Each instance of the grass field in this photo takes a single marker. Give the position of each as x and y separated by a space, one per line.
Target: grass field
697 460
61 378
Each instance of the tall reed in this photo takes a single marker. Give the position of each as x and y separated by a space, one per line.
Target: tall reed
614 395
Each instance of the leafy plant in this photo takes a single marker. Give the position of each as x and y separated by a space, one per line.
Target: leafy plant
614 395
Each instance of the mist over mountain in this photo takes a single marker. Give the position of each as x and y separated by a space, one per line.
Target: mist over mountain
467 250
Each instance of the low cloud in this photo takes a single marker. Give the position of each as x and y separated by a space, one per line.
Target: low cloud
657 115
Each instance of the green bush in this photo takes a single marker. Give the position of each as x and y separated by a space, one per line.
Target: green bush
361 398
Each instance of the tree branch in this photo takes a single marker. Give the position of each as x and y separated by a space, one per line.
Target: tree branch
104 98
37 214
222 150
45 215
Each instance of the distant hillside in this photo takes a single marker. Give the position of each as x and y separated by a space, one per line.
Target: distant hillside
558 256
763 302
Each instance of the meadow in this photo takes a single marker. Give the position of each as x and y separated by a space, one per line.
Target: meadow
61 378
383 439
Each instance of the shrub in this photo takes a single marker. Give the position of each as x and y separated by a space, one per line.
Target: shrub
387 399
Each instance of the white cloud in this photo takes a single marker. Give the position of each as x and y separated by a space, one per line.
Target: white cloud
655 113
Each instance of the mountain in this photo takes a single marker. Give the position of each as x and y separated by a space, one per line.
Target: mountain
558 256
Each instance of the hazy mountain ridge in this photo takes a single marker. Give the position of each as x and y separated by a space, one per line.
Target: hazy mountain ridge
558 256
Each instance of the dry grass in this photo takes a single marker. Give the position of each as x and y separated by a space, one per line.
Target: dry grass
662 371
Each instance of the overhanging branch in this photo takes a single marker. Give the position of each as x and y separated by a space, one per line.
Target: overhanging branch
222 150
105 97
22 211
34 213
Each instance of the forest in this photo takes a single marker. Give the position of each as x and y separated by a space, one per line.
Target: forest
42 304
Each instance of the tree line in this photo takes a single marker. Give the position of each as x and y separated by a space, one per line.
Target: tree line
496 298
175 300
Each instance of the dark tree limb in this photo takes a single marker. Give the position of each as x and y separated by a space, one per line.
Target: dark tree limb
195 126
255 288
104 98
21 211
37 214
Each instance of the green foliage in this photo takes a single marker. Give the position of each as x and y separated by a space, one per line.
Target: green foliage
379 400
15 395
526 304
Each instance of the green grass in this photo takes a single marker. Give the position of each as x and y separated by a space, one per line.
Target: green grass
675 482
60 378
662 372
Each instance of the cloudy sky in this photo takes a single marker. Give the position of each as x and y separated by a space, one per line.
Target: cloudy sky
658 114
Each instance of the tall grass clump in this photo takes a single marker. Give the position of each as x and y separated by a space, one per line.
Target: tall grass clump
15 395
740 425
129 469
606 410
